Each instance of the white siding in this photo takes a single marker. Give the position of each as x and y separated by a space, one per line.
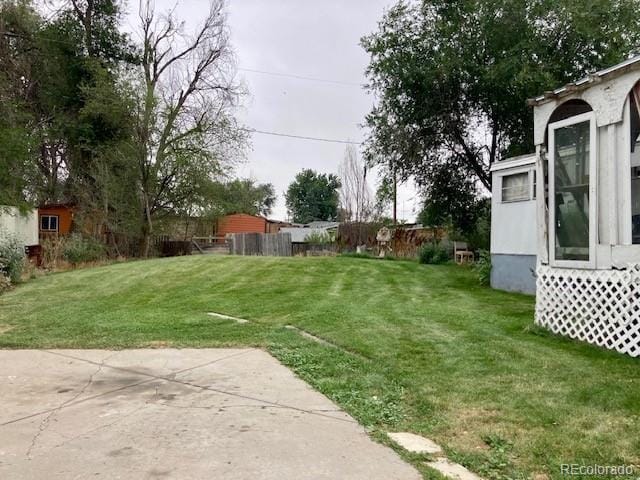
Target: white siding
25 226
513 224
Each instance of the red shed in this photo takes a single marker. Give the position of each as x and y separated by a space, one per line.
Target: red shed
244 223
241 223
55 219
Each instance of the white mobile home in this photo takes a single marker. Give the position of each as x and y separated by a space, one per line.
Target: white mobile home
513 224
23 225
588 208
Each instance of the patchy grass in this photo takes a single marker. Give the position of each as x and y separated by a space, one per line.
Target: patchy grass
417 348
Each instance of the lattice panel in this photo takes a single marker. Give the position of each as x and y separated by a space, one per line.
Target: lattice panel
601 307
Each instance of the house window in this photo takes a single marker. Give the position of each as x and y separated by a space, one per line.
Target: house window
571 183
48 223
515 188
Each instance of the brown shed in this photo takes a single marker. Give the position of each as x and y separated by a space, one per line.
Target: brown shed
55 219
241 223
244 223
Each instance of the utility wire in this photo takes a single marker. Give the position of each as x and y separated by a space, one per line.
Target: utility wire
301 77
301 137
254 130
251 70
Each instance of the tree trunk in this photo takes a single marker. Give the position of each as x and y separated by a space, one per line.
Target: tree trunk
147 229
395 198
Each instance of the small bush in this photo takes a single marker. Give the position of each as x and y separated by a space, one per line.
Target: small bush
52 251
483 268
318 238
82 250
5 283
433 254
12 256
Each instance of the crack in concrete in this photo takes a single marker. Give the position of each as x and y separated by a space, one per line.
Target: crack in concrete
204 387
101 427
44 424
260 407
125 387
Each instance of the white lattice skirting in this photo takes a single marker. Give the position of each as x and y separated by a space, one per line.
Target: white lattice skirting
601 307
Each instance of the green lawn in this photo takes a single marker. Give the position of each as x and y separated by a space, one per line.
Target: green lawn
420 348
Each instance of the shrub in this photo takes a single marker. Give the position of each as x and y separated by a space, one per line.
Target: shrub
433 253
483 268
82 250
5 283
318 238
12 256
52 251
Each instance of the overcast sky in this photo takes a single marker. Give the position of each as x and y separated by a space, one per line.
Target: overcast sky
308 38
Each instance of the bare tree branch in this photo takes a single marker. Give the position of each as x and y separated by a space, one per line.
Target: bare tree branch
185 120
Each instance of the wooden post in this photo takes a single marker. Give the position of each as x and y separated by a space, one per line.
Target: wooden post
612 197
541 207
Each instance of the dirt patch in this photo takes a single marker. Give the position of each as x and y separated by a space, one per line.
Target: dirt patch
5 328
540 476
468 426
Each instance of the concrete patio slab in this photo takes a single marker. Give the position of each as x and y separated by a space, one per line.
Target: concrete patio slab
184 414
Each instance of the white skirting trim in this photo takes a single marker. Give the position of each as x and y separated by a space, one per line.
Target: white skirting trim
601 307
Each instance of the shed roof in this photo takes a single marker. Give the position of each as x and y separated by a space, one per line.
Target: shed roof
630 64
322 224
513 162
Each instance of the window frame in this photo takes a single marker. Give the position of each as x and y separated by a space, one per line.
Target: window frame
49 217
593 199
524 171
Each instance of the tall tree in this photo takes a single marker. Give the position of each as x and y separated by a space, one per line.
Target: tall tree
18 23
245 196
449 198
452 76
356 204
54 80
185 132
313 196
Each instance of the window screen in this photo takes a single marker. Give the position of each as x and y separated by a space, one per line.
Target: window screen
515 187
571 165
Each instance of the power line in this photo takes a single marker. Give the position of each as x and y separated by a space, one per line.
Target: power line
301 77
253 130
251 70
301 137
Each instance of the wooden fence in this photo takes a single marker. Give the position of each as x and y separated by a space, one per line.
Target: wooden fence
405 242
264 244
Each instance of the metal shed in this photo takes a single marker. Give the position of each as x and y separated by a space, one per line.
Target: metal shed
24 225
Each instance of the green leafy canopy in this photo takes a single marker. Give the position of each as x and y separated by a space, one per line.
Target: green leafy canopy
452 76
313 196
